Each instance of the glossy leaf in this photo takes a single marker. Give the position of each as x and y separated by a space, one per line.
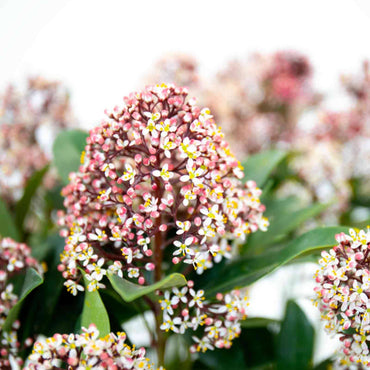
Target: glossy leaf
282 221
258 322
67 150
24 203
295 341
258 167
8 227
32 280
130 291
94 311
247 270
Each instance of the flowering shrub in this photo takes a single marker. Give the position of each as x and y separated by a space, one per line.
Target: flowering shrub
158 175
87 351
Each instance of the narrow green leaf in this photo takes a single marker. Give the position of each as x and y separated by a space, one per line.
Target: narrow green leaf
94 311
281 223
258 322
130 291
259 166
8 227
249 269
23 205
67 150
295 340
32 280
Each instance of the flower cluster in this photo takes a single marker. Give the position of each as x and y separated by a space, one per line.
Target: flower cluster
14 259
186 308
320 168
28 123
181 69
259 100
343 294
157 174
87 351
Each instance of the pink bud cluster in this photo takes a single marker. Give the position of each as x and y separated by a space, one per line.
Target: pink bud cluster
87 351
288 77
156 174
186 308
182 69
259 99
15 258
343 294
29 121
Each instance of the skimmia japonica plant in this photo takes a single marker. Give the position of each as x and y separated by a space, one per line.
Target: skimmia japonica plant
158 186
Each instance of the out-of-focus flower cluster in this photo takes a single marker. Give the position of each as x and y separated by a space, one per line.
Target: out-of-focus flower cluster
87 351
156 174
258 100
15 258
181 69
29 121
336 150
186 308
343 294
268 101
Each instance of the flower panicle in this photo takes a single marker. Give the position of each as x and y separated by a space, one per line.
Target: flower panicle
87 351
343 294
157 166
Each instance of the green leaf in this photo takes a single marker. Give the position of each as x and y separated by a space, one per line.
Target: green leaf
295 340
94 311
281 223
23 205
32 280
67 150
258 322
130 291
325 365
8 227
249 269
259 166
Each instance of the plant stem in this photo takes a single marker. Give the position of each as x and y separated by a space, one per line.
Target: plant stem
158 256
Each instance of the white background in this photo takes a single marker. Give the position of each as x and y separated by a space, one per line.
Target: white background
101 49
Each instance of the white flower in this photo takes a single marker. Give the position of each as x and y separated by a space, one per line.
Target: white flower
181 294
197 298
96 270
193 174
164 173
133 272
167 302
183 248
203 344
73 287
116 268
168 145
182 227
129 174
166 127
